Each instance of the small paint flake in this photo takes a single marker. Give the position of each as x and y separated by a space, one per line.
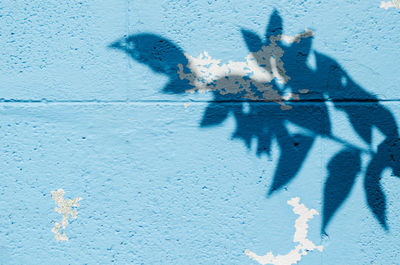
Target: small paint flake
303 91
64 208
392 4
186 105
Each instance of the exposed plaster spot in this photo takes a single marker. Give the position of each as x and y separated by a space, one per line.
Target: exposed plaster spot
303 91
297 38
387 5
300 236
64 208
246 108
186 105
251 78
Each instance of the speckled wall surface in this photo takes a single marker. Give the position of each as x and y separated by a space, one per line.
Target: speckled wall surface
199 132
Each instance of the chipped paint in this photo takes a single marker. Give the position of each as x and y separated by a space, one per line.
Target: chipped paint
300 236
304 91
387 5
257 71
186 105
64 208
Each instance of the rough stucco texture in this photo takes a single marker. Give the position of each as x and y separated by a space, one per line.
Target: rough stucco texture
183 128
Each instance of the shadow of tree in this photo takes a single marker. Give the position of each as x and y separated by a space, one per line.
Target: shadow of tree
285 78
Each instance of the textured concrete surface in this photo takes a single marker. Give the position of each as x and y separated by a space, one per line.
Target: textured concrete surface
92 103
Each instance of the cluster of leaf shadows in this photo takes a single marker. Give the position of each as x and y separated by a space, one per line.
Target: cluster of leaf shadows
265 122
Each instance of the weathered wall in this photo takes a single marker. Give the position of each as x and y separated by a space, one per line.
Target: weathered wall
179 132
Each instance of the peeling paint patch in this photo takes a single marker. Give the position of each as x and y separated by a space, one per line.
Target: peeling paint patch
186 105
387 5
304 91
251 78
64 208
300 236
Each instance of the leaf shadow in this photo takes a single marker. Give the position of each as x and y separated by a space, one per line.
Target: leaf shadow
295 93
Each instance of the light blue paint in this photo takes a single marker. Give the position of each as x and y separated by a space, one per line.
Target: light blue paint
156 187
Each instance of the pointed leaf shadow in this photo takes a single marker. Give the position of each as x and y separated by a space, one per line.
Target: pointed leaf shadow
343 169
253 42
376 199
388 156
275 25
293 153
158 53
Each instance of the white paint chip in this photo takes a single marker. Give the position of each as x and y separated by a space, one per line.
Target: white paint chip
303 91
387 5
64 208
186 105
252 78
300 236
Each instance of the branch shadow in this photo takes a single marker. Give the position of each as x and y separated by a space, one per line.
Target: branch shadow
279 74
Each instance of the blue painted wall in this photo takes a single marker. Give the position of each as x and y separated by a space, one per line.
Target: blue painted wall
91 103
